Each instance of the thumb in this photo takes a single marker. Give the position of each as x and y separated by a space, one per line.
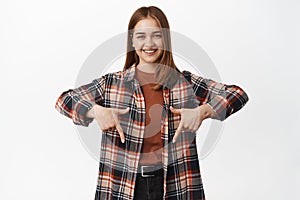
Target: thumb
123 111
173 110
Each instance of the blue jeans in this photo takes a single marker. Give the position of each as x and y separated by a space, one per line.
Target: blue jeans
149 188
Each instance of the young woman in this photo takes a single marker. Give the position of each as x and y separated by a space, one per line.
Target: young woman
149 113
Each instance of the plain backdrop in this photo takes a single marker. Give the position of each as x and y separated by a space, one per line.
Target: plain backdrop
253 43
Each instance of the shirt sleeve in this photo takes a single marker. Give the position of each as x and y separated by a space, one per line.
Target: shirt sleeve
224 99
75 103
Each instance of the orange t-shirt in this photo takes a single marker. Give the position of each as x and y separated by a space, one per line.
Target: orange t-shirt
152 146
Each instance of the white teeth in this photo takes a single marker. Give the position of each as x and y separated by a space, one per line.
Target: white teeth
149 51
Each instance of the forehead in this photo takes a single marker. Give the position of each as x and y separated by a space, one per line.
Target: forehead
146 25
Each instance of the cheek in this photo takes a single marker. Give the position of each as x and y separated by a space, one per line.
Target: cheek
159 43
138 52
138 45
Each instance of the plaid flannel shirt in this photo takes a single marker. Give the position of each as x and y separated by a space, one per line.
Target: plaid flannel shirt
119 161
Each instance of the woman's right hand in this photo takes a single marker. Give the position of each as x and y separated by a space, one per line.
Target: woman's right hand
108 118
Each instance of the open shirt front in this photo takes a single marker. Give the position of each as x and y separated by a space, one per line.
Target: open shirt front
119 161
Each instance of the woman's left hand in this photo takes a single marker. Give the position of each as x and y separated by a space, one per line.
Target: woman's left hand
191 118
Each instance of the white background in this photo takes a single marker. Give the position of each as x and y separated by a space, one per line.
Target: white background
254 44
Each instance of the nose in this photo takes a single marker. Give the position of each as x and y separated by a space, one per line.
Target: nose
149 41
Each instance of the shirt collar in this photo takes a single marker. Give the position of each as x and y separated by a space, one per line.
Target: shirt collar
129 73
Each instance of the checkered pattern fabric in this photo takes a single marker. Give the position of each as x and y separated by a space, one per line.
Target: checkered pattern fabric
119 161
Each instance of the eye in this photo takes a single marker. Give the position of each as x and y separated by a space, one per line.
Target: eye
141 36
157 36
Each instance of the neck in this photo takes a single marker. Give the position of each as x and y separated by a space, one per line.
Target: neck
148 68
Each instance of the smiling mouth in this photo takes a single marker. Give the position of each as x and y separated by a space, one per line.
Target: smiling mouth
149 52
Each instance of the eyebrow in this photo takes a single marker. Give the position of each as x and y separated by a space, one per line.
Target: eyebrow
144 32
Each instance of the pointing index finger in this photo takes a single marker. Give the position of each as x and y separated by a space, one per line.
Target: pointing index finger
119 128
178 131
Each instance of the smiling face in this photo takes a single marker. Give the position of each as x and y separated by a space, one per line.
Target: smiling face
147 40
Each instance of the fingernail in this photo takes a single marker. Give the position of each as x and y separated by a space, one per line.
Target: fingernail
173 141
122 140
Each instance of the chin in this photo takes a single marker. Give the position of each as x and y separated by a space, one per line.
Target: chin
150 60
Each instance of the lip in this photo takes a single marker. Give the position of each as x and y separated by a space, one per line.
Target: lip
149 52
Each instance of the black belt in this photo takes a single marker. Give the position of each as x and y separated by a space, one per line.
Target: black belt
150 170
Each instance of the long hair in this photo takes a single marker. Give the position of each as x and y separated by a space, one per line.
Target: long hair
167 71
